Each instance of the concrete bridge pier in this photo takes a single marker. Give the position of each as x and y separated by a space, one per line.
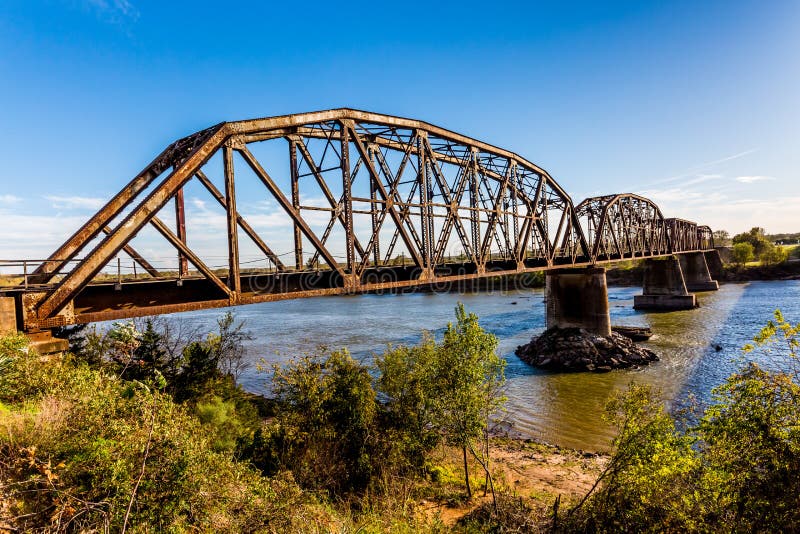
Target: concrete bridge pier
578 298
714 262
696 273
664 288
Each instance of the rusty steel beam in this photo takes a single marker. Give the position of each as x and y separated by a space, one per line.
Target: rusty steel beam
234 282
287 207
295 179
130 251
517 213
113 243
180 225
67 251
243 224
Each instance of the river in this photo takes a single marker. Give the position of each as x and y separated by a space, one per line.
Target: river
698 348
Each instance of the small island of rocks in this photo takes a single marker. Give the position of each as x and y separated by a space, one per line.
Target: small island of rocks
576 349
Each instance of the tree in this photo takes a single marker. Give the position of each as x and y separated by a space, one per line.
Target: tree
756 237
742 253
732 468
468 379
772 255
722 238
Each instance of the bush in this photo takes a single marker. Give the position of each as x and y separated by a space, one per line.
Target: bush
742 253
736 469
772 255
324 431
82 450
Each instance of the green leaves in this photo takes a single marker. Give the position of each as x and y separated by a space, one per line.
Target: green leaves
736 468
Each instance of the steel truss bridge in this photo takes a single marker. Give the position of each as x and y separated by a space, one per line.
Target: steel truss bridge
369 202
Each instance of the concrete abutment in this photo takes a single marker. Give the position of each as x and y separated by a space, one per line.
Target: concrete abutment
42 342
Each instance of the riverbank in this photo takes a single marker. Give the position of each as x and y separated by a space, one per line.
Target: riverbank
532 474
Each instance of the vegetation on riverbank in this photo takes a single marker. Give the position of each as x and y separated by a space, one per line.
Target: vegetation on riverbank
146 430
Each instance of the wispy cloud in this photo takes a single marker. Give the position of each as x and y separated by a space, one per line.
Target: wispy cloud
753 179
8 200
76 202
112 11
695 170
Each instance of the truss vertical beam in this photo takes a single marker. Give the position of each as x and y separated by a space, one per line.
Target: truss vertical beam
373 210
347 194
295 177
424 201
234 280
180 226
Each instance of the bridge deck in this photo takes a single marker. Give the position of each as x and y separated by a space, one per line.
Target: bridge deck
112 300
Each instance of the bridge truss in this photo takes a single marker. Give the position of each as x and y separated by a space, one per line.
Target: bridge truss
366 202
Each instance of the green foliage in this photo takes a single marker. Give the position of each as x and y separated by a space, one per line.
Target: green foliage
325 425
742 253
449 390
650 472
762 248
772 255
469 375
751 442
407 380
736 469
81 447
756 237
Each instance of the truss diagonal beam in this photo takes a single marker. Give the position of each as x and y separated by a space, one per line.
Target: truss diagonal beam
203 179
286 204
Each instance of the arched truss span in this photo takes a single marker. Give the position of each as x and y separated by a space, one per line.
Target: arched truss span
623 226
362 194
705 238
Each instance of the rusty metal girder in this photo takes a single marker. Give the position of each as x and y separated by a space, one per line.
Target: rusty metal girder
430 195
624 226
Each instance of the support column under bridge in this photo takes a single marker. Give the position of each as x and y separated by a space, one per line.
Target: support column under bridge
664 287
696 272
578 298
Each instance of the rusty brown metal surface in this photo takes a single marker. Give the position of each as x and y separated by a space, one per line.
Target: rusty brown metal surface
624 226
177 151
180 224
438 208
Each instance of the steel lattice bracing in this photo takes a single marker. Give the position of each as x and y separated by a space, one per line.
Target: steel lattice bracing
623 226
372 202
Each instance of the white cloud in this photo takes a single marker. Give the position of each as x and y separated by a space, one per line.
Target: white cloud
9 199
113 11
702 166
75 202
752 179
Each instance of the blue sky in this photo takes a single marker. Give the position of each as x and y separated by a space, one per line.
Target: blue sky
694 104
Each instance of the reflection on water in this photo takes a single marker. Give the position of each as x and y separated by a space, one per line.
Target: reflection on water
564 409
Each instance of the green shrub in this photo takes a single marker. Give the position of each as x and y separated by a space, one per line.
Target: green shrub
79 447
325 427
736 469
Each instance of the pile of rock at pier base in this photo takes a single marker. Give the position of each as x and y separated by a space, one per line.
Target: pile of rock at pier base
575 349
